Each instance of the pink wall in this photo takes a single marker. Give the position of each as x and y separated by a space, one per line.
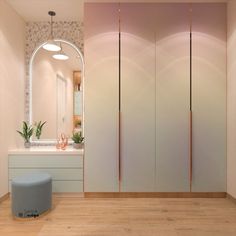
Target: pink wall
12 41
231 101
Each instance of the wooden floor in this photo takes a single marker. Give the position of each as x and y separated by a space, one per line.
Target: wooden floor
125 216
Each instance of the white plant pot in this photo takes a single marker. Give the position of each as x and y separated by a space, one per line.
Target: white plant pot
77 145
27 144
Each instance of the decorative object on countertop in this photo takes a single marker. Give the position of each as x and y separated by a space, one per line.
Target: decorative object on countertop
39 127
62 142
78 123
26 133
78 140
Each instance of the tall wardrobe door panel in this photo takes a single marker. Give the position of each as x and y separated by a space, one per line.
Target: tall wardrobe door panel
172 97
101 97
209 97
138 97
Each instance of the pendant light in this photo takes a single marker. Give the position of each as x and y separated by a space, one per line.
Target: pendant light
60 55
51 45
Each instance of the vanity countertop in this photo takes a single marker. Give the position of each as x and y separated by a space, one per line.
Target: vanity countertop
46 150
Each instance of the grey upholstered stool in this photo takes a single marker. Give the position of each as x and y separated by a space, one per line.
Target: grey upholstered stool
31 194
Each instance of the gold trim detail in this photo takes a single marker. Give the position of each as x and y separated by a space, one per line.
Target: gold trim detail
190 150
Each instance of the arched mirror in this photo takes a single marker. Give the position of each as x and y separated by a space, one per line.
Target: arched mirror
56 91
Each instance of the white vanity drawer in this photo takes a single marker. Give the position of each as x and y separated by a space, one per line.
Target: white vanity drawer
64 186
37 161
57 174
67 186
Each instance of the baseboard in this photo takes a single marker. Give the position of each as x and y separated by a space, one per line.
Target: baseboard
68 195
230 197
138 195
4 197
155 195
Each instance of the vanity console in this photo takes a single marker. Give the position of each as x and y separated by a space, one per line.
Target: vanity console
65 167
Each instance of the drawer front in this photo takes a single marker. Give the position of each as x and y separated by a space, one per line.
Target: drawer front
45 161
64 186
67 186
57 174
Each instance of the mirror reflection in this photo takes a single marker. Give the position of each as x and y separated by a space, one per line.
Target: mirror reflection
56 94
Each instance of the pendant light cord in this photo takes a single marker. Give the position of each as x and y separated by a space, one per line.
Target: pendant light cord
51 27
51 13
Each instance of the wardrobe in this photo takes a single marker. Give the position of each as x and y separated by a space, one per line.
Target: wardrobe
155 97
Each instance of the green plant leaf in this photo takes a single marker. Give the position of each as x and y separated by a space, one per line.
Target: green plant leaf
39 127
27 131
20 133
77 137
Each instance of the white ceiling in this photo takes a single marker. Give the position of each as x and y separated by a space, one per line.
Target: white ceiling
36 10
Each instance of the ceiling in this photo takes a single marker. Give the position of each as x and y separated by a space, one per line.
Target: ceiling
37 10
70 10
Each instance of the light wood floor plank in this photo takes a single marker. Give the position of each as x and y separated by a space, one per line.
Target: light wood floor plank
74 216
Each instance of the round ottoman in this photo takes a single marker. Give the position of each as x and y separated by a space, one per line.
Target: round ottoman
31 194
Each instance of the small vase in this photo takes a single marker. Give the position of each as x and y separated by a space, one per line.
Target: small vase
27 144
77 145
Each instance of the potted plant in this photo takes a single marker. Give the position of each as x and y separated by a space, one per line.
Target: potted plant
39 127
78 123
26 133
78 140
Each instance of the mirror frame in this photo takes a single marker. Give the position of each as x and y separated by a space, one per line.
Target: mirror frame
53 141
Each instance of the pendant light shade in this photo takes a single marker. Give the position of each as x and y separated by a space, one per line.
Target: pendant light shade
51 45
60 55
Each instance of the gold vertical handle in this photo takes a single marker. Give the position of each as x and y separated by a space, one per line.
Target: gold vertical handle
119 132
191 113
190 150
119 151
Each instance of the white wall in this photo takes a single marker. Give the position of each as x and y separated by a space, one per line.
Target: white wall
231 100
44 95
12 42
